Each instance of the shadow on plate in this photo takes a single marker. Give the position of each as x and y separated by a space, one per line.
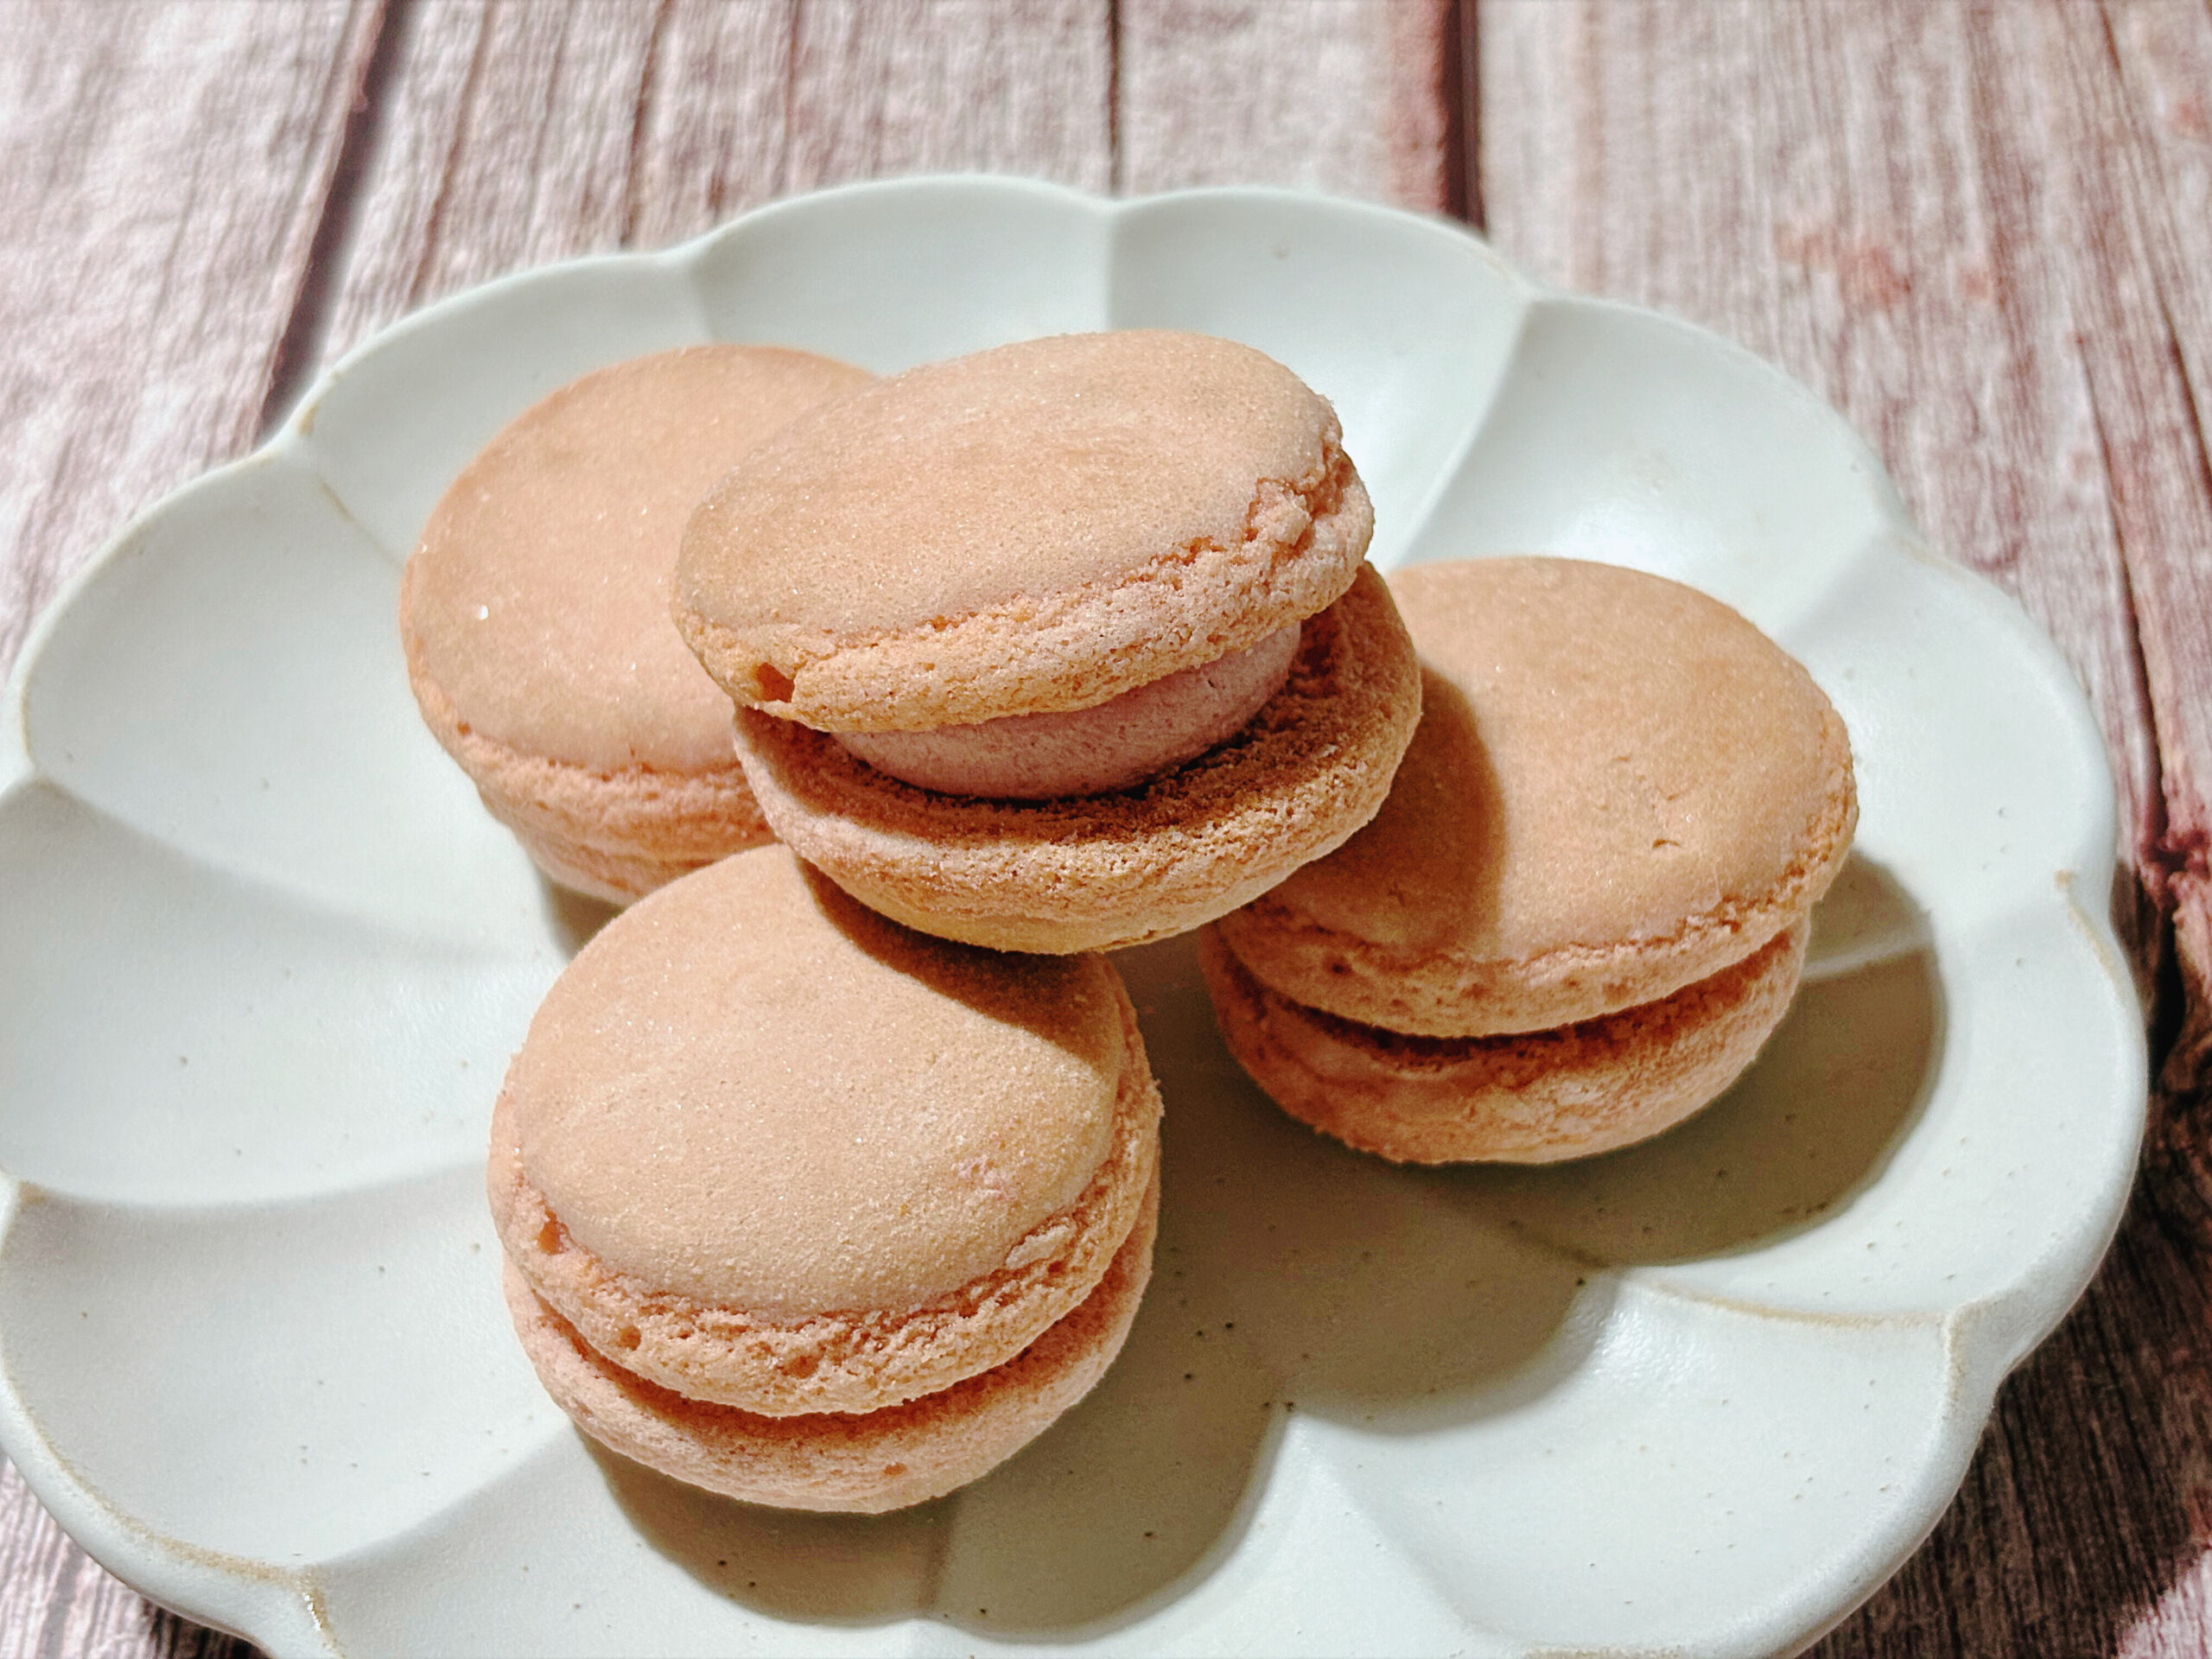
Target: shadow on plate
574 918
1295 1278
1811 1124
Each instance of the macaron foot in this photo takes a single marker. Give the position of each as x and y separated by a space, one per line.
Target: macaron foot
861 1462
1529 1097
620 836
616 834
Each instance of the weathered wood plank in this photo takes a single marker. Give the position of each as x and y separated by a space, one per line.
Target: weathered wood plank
2163 103
506 142
878 91
710 142
2160 104
1345 96
1970 228
518 133
146 282
163 171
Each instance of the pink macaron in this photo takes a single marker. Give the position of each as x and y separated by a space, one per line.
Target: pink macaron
1066 644
534 614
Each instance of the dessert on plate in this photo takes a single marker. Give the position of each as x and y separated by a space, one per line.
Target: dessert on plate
1584 906
804 1207
1064 645
534 614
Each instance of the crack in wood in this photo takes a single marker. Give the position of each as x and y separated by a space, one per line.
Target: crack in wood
1460 94
300 349
1113 96
641 121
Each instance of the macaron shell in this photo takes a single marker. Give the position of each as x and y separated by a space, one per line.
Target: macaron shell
1037 528
616 835
537 602
749 1090
1618 787
1101 870
865 1463
1528 1097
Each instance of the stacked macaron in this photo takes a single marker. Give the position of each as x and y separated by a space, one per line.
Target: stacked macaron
1583 908
807 1208
1058 646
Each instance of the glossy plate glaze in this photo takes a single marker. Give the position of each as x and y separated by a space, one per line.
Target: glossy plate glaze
263 959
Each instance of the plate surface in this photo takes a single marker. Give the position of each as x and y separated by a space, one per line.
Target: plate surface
263 959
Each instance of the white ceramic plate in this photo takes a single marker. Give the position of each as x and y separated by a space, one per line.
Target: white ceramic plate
263 959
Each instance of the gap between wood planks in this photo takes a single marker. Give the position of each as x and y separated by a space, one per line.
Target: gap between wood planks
299 349
1455 71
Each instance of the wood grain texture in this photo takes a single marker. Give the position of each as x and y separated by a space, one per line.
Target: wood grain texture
881 90
55 1600
147 277
1971 227
517 133
1318 94
2158 88
147 282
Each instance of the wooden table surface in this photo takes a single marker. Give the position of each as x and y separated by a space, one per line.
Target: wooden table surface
1983 231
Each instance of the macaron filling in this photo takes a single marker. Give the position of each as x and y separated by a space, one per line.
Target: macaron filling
1114 744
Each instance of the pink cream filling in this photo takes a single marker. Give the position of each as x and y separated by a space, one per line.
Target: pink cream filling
1118 743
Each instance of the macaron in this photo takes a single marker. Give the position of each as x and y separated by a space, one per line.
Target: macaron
804 1207
1066 644
1583 908
534 613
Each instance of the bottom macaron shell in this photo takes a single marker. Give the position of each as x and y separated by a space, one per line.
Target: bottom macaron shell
1106 870
862 1463
1530 1098
616 835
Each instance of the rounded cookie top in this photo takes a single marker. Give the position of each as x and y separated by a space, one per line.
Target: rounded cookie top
749 1092
1034 528
537 602
1618 786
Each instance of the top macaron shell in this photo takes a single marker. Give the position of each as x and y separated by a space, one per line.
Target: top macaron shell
534 608
1618 786
1035 528
769 1149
